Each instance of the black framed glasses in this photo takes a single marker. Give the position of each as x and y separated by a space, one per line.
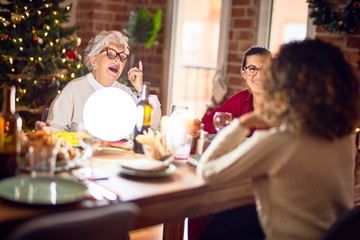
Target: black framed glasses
112 54
252 70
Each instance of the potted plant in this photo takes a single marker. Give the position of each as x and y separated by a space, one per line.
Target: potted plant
142 28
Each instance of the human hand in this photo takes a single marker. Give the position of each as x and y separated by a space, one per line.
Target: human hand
135 76
253 120
39 125
196 128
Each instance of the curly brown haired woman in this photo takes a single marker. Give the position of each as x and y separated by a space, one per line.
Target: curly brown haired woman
303 168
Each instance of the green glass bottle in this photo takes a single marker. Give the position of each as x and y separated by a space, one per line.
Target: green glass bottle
145 113
10 127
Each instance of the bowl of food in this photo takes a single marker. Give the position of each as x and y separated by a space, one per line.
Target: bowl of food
154 152
67 156
154 145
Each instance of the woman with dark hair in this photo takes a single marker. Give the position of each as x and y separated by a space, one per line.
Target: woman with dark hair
254 62
302 169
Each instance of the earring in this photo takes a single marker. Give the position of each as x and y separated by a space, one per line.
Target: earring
94 67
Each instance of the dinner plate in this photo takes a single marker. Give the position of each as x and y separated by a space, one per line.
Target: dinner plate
148 174
211 136
194 160
42 190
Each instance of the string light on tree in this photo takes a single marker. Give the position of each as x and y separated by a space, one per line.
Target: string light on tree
37 49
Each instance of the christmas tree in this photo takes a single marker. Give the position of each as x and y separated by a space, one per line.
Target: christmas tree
37 54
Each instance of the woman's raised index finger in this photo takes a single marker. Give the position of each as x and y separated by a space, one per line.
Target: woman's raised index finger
140 66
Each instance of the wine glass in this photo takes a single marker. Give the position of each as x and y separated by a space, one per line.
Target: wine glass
221 120
90 144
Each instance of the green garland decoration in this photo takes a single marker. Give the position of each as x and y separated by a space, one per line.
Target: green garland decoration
335 19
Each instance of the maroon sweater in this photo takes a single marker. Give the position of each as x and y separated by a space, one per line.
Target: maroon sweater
237 105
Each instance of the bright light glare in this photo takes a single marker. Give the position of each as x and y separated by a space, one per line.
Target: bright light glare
110 114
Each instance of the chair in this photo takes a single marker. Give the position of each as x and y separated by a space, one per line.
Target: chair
106 223
346 227
44 114
219 91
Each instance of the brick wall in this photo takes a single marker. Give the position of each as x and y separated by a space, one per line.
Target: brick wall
242 35
349 43
93 16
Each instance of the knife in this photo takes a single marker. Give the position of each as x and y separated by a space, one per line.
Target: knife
99 192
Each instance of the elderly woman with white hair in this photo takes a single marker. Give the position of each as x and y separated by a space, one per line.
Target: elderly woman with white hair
105 58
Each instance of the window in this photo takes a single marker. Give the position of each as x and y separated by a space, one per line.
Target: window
196 45
282 21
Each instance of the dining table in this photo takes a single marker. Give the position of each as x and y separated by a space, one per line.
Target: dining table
167 199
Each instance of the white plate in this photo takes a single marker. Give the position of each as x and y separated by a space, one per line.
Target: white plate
167 172
42 190
194 160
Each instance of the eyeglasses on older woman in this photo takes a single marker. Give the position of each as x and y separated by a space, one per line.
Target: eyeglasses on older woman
112 54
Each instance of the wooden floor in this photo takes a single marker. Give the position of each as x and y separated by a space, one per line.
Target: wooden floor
150 233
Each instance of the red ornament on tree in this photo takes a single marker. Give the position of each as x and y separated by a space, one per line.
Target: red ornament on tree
35 38
4 37
38 39
71 54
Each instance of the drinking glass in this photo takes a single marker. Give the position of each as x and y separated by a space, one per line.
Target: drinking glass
89 143
182 147
42 160
221 120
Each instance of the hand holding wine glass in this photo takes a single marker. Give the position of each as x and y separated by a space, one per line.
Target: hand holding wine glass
221 120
